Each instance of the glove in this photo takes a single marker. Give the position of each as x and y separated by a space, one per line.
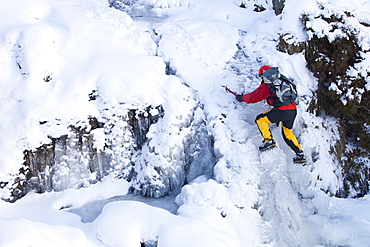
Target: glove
239 97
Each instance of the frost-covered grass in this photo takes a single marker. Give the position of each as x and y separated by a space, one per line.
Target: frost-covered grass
252 199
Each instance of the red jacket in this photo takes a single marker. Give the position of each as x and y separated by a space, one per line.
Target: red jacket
262 93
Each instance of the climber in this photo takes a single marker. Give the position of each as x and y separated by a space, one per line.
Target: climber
284 112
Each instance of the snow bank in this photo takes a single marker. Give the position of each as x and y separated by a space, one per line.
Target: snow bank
131 223
21 232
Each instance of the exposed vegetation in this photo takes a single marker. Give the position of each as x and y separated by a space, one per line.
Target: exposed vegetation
341 93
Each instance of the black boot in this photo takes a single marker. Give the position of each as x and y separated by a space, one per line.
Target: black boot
299 158
267 145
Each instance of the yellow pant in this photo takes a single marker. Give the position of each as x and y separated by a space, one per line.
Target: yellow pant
287 118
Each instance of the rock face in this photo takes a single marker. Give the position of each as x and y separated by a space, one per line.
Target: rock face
73 160
68 161
278 6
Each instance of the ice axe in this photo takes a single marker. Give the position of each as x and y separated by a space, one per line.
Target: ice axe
228 90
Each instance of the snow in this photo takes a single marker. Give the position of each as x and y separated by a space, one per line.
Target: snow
249 199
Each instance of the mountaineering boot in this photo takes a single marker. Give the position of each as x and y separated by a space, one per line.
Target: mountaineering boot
299 158
267 145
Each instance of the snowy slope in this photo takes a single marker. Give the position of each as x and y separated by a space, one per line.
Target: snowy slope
252 199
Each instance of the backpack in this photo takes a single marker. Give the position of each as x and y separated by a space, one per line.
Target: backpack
283 91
